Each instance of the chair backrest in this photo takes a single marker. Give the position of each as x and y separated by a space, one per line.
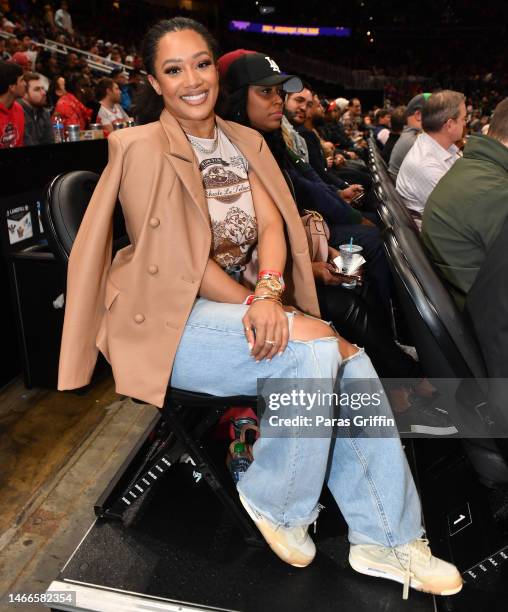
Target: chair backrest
67 198
396 206
393 212
446 348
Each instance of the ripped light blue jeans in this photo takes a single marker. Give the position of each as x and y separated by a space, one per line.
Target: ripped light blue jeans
368 477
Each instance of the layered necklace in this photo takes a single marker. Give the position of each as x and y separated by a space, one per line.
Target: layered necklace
195 142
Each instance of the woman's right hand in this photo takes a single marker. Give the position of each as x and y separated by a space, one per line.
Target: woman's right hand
323 274
266 329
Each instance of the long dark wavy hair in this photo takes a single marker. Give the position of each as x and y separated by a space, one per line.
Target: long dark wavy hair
147 102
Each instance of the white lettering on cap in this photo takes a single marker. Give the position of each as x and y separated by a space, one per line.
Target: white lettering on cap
273 65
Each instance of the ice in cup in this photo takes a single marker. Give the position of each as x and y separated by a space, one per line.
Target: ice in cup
347 255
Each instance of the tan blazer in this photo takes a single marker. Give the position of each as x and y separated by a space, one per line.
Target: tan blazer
134 309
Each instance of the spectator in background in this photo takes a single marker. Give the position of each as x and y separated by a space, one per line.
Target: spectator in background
21 58
38 128
12 45
121 78
4 54
71 106
295 112
63 19
311 191
352 172
56 90
468 208
47 67
110 112
12 118
333 131
434 152
409 133
136 81
382 128
352 120
297 107
71 62
26 41
49 18
115 55
398 120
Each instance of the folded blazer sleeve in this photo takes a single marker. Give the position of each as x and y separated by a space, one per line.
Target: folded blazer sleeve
89 263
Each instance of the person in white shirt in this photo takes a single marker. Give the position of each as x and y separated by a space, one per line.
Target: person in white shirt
383 123
108 93
434 151
63 19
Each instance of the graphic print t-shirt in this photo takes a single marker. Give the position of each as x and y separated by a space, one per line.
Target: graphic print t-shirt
229 197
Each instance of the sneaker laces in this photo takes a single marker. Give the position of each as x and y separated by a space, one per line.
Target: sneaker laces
404 554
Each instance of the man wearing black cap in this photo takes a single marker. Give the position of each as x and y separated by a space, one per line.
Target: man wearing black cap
409 133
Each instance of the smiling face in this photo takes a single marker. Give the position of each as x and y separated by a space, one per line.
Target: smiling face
186 77
298 106
264 107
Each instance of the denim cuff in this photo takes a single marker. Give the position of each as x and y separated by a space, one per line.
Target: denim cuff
297 522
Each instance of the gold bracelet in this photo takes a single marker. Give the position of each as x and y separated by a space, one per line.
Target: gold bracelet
273 287
267 298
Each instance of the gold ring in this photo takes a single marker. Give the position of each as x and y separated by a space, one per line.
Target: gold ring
247 329
272 342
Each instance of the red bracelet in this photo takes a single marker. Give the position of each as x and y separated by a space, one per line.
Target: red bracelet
265 273
248 300
260 275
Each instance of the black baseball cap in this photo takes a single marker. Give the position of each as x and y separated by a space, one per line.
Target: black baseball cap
241 67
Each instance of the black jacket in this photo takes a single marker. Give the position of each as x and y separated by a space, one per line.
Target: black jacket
317 158
38 127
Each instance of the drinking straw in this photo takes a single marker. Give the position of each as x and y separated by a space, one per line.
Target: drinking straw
351 244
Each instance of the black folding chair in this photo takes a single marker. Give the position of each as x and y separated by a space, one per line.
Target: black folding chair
185 417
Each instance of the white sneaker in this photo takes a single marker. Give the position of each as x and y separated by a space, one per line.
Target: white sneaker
294 546
412 564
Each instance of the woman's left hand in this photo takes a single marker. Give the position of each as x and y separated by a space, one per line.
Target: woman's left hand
266 329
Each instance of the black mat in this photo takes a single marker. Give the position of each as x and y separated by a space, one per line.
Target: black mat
182 547
478 543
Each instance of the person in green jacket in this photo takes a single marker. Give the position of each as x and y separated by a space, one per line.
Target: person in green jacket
466 211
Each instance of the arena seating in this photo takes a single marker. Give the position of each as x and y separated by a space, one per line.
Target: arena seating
446 346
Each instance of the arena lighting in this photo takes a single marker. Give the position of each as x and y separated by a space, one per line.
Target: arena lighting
265 28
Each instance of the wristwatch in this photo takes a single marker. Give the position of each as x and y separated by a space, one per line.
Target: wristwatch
272 284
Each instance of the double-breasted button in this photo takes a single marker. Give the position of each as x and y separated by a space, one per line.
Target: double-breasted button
139 318
153 269
154 222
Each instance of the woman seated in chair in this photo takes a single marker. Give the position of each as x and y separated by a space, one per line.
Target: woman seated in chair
202 198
